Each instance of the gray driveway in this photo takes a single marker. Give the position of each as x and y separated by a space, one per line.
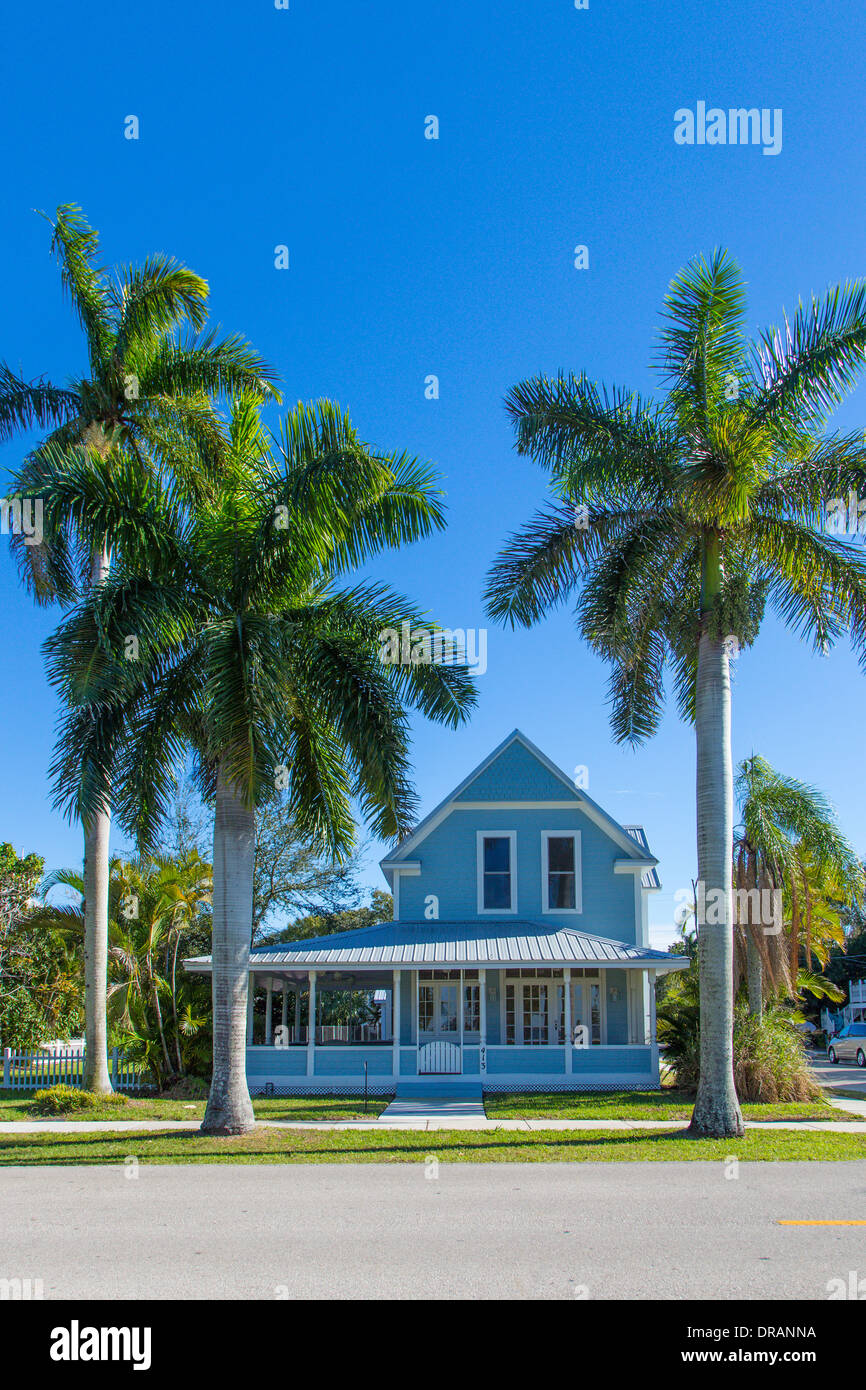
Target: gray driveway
379 1231
847 1078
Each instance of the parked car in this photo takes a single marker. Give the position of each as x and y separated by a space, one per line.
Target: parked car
849 1045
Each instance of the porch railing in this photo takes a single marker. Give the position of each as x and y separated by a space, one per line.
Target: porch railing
34 1071
328 1034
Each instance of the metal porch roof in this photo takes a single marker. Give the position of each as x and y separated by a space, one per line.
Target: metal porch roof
429 944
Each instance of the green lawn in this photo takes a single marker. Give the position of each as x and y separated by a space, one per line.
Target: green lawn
18 1105
380 1146
668 1104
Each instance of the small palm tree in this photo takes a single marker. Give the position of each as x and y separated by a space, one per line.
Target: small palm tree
254 659
140 415
786 826
151 903
675 523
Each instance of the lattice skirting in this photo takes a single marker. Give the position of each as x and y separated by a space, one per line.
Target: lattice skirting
489 1087
318 1092
572 1085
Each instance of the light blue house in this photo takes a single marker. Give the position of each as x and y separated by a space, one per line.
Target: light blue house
518 957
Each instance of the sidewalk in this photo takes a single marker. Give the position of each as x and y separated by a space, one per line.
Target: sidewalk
422 1124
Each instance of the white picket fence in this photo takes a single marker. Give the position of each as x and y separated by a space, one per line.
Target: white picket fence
31 1071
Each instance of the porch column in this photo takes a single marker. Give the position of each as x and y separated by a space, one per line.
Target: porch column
482 1021
646 992
395 1016
284 1010
251 992
311 1026
462 1022
269 1014
566 979
297 1031
651 981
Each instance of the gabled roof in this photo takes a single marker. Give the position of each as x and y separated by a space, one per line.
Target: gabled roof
449 944
622 836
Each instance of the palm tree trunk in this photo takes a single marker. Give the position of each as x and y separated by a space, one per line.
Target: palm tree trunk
755 975
794 937
717 1110
158 1010
96 875
229 1108
754 961
174 1005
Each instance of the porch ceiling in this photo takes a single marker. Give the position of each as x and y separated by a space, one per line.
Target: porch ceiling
429 944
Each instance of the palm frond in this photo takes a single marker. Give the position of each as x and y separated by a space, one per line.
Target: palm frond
805 369
155 297
24 404
76 245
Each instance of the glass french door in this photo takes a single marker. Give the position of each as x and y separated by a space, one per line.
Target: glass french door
586 1012
535 1013
437 1011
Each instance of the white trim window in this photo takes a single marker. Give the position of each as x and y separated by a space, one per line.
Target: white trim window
561 887
497 871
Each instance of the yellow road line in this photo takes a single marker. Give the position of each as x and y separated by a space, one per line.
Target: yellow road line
821 1223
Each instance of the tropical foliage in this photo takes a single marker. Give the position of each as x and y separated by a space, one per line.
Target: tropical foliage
789 843
41 992
158 910
769 1058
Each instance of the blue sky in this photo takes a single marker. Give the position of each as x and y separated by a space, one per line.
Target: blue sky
409 257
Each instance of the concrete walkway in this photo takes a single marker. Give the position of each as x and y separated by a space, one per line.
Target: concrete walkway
429 1113
445 1112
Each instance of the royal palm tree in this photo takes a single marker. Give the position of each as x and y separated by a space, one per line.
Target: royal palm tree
255 660
141 412
675 522
789 841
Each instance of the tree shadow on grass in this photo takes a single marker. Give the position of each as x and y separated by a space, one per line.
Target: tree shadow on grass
191 1146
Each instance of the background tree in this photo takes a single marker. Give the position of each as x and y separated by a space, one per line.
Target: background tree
379 909
155 1012
40 972
788 841
675 522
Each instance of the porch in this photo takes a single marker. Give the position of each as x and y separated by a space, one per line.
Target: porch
452 1006
458 1029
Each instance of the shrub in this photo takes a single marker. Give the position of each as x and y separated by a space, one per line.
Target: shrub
187 1088
63 1100
770 1062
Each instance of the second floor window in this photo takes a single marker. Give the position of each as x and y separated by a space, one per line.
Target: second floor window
561 868
496 873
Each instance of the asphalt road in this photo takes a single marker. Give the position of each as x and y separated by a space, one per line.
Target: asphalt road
376 1231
